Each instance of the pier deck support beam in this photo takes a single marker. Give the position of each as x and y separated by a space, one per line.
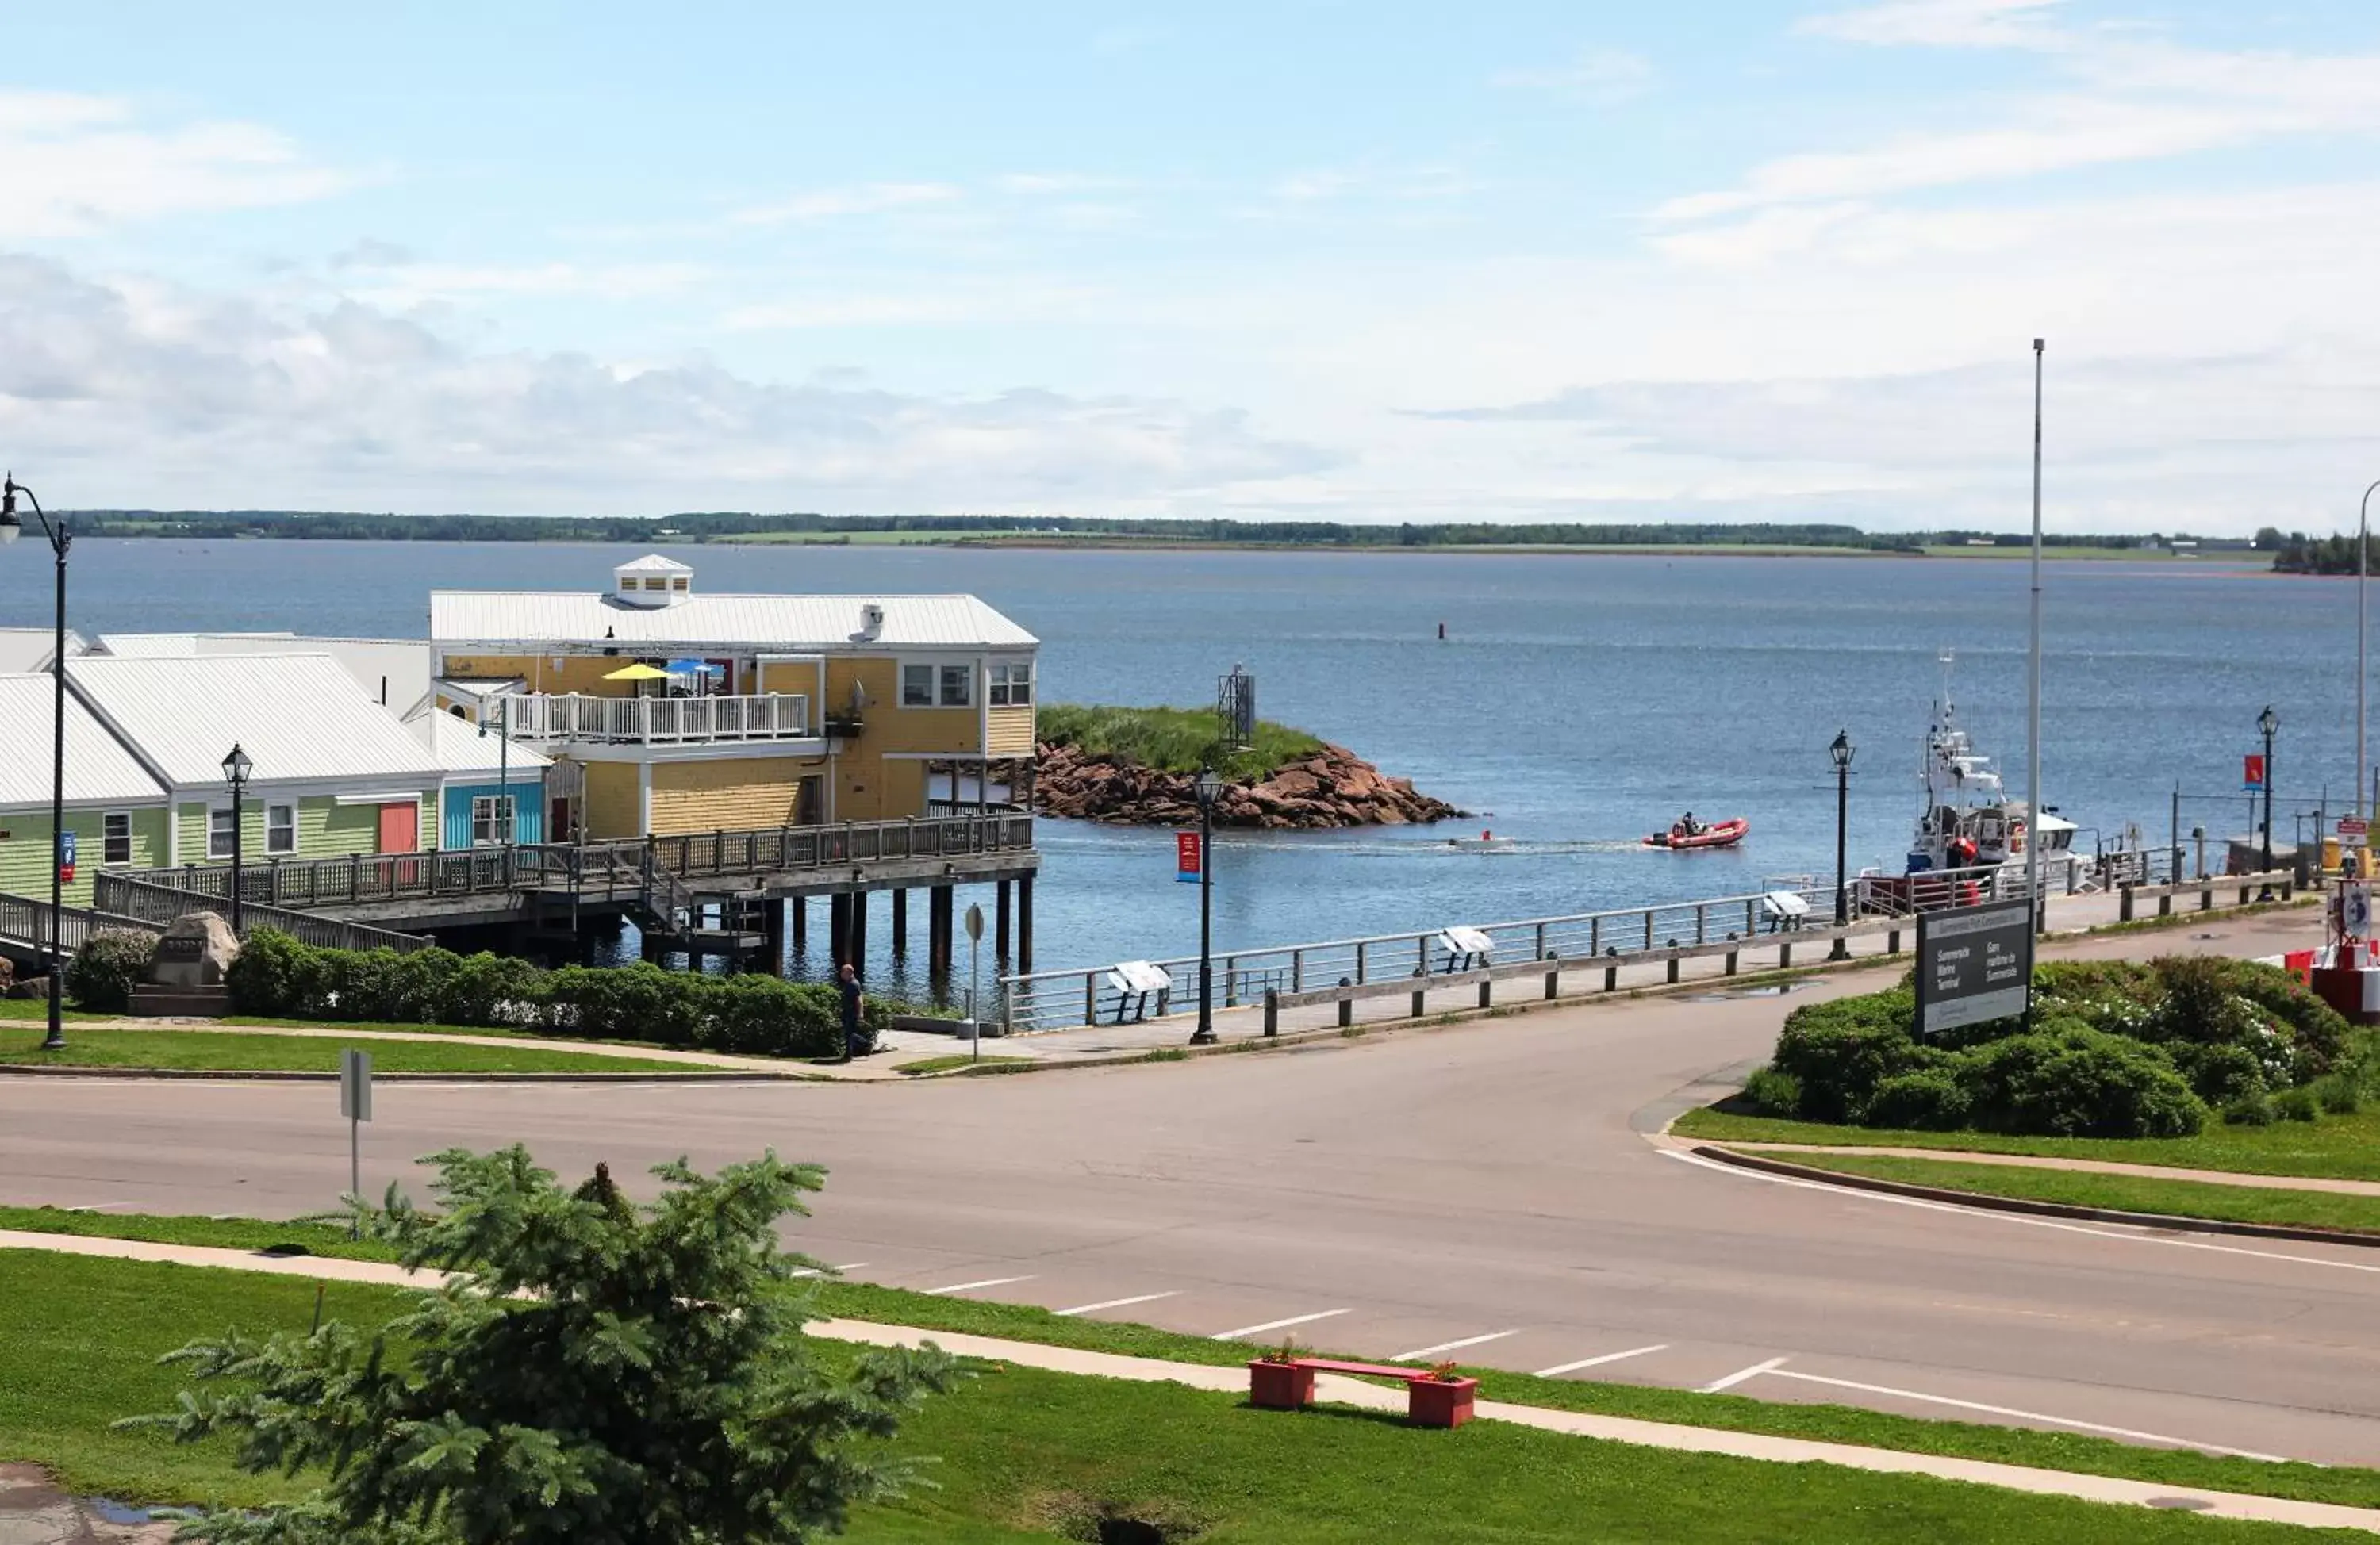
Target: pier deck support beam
1024 922
772 935
859 956
999 922
801 916
838 931
938 931
900 921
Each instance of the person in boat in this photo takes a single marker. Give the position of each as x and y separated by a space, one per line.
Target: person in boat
1689 826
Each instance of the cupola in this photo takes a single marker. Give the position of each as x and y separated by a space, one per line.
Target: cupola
651 581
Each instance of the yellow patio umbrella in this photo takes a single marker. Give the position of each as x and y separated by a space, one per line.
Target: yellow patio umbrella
637 671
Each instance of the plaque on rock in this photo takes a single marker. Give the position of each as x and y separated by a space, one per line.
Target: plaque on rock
196 951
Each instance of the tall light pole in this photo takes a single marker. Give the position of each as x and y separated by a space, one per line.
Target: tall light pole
235 765
2362 582
54 964
1208 785
2032 692
1842 751
2268 721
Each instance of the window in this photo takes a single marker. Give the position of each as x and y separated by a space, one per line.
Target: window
1011 683
116 837
958 686
917 686
219 833
280 828
492 819
660 584
678 583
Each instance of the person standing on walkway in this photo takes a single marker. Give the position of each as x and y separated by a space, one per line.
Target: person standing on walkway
854 1001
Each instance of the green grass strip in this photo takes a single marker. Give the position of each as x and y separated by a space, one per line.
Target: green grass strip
211 1052
2122 1193
948 1063
1841 1424
1021 1456
2334 1148
1168 739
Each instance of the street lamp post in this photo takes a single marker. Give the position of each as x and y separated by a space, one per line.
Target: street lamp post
1842 751
235 767
1208 785
54 964
2268 721
2362 582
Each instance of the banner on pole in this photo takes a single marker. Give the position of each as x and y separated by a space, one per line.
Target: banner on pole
2252 777
67 857
1187 856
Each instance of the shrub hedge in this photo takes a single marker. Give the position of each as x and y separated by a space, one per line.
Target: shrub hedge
2113 1050
277 977
109 965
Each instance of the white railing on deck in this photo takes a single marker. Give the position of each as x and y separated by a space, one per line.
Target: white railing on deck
775 716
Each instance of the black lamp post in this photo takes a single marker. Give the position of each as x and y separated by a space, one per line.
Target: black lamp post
236 767
54 964
2268 721
1842 751
1208 785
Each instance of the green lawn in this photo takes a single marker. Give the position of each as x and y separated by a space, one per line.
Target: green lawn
1023 1455
2335 1148
956 1060
1844 1424
37 1010
2126 1193
1170 739
211 1052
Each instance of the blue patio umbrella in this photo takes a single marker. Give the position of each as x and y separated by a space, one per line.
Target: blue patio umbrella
693 667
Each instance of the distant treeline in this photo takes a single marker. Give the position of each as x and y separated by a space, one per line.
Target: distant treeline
728 525
2298 553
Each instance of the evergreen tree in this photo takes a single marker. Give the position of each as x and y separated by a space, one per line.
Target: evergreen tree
592 1371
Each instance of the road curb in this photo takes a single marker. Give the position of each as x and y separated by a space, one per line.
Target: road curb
225 1075
1766 1166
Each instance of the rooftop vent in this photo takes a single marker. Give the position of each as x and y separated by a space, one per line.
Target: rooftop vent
652 581
872 620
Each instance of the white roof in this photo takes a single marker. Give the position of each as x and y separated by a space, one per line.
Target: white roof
460 748
29 649
99 768
156 646
775 623
299 717
652 563
391 671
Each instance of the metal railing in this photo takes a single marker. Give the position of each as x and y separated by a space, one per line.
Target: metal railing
603 871
25 922
157 902
658 720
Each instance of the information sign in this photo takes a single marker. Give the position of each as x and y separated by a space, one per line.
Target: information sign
1973 963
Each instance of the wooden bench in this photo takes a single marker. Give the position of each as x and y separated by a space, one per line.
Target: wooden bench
1430 1401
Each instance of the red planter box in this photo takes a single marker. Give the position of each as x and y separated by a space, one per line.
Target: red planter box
1279 1386
1442 1401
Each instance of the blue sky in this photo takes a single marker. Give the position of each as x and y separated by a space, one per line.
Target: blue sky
1728 261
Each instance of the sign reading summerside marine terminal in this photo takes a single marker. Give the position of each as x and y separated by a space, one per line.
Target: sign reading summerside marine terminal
1973 964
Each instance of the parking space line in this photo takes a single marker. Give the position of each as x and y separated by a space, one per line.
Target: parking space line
1116 1303
2032 1415
1278 1324
1418 1353
1560 1369
827 1270
971 1286
1740 1374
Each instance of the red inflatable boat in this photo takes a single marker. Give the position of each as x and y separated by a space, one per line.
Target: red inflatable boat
1719 834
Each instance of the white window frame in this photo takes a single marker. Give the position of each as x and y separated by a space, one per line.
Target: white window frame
274 830
933 677
1009 678
224 830
942 674
108 838
497 824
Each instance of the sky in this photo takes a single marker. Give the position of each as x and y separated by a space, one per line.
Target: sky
1739 259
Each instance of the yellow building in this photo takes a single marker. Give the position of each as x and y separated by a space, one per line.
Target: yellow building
669 710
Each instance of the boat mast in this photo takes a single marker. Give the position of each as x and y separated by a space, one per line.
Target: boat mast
2032 695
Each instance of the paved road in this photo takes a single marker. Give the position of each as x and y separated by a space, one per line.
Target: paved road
1391 1196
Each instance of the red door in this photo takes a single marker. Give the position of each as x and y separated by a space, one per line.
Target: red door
400 832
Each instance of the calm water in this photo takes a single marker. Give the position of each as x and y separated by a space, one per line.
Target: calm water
1577 701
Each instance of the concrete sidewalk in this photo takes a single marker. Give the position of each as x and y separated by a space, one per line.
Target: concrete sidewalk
2037 1161
1351 1392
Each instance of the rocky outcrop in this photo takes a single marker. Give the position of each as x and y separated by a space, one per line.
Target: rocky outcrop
1332 788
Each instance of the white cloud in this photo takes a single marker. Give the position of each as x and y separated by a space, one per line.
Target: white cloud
73 163
404 283
836 202
1942 24
1603 75
145 394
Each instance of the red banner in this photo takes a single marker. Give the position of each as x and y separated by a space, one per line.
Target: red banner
1186 856
2253 777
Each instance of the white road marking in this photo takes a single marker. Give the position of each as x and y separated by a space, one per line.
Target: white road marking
1740 1374
1116 1303
2029 1416
1421 1352
971 1286
827 1270
1278 1324
1561 1369
1988 1214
